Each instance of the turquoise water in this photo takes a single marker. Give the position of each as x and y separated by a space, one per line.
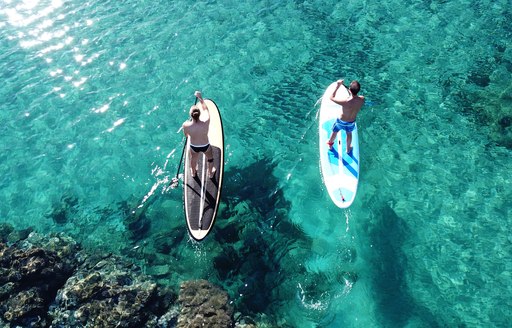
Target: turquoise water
93 94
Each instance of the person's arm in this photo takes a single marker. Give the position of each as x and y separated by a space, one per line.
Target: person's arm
203 104
339 102
201 100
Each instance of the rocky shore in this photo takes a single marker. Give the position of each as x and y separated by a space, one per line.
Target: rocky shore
49 281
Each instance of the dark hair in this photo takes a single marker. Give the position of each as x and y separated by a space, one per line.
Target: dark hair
195 113
354 87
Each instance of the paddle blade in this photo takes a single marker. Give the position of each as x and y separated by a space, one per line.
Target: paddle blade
174 183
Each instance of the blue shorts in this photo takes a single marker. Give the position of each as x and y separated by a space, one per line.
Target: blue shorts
342 125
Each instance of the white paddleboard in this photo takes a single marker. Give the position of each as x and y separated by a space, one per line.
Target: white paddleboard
340 171
201 193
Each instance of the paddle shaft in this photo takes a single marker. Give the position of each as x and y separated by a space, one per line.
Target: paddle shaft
181 159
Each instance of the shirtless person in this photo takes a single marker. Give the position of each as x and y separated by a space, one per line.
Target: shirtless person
197 132
351 106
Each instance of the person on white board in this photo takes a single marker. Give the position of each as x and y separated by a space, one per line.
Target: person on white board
197 132
350 108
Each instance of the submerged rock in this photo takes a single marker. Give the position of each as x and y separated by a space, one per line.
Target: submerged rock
5 230
30 276
49 281
108 292
60 212
204 305
505 121
166 241
9 235
136 222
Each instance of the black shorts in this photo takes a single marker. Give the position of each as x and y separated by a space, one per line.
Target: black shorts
200 149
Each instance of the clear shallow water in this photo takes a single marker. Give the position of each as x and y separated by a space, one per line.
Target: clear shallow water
93 94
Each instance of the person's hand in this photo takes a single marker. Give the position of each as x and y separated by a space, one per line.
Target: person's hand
340 82
198 94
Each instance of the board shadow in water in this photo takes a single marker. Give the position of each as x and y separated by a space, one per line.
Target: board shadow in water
395 303
256 236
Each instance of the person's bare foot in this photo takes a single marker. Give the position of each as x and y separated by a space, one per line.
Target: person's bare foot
194 172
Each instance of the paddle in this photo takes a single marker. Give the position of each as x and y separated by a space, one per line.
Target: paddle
175 181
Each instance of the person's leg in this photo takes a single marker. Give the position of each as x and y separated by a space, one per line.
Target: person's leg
335 130
193 162
331 139
209 157
349 142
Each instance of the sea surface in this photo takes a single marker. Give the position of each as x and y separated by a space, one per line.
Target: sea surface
93 94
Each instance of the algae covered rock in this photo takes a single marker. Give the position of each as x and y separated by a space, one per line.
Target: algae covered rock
30 276
110 293
204 305
49 281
